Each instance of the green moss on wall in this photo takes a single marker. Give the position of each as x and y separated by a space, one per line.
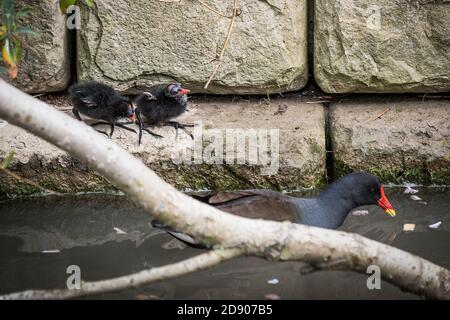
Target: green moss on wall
420 173
73 178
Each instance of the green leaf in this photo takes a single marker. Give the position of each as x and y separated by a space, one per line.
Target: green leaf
27 30
8 54
90 3
7 5
3 32
7 161
18 48
64 4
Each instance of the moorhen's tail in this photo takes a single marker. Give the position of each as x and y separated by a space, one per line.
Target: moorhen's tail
186 239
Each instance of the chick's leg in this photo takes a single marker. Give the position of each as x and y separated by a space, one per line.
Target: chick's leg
181 126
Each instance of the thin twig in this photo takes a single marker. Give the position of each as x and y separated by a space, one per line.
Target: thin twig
316 102
380 115
435 97
423 98
65 109
225 45
214 10
28 181
131 281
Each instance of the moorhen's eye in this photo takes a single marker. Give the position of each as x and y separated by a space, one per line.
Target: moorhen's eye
372 190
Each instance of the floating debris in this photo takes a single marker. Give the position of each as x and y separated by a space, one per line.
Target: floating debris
435 225
360 213
409 227
273 281
119 231
415 198
423 202
410 190
272 296
51 251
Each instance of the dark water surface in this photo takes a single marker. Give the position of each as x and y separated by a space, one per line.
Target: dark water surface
79 230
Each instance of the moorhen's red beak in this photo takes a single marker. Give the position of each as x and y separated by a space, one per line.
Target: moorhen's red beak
132 113
132 117
183 91
384 203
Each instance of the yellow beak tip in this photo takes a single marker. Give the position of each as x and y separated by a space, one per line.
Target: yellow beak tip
390 212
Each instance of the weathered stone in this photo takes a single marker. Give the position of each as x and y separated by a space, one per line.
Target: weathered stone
382 46
409 142
130 44
301 161
45 64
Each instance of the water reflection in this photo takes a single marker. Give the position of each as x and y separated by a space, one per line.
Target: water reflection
82 230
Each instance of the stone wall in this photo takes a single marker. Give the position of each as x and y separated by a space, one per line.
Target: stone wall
408 142
132 44
382 46
391 46
300 130
45 64
395 46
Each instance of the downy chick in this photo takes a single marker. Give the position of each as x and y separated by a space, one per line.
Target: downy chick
171 101
101 102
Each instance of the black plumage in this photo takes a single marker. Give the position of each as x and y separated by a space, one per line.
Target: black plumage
328 210
171 101
101 102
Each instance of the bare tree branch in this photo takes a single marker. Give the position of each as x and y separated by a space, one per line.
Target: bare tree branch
139 279
272 240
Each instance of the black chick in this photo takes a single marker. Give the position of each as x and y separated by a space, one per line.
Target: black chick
101 102
171 101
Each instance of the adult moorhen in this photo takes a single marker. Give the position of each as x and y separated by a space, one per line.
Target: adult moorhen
101 102
328 210
171 101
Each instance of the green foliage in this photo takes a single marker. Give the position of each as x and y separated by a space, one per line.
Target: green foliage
10 33
7 161
65 4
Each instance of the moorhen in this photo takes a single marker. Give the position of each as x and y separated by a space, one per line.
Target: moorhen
328 210
171 101
101 102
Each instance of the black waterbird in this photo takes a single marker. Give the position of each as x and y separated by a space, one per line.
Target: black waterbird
328 210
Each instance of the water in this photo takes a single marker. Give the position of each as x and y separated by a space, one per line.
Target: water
80 230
